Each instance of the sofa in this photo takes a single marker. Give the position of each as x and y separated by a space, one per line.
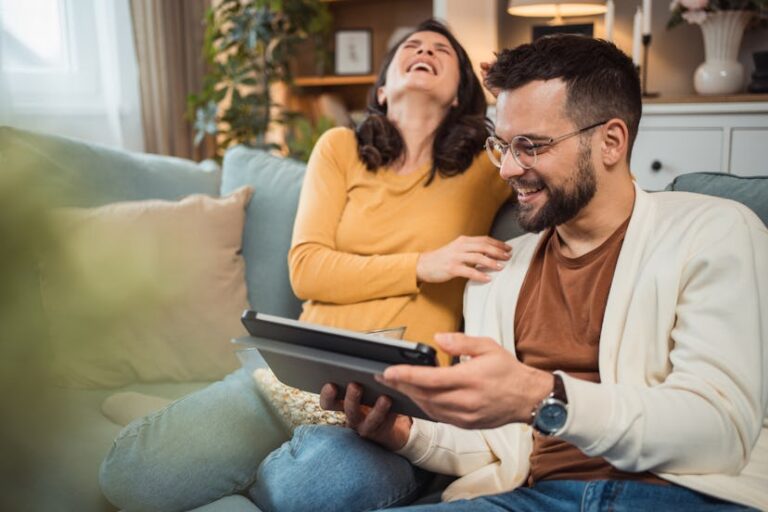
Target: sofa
86 175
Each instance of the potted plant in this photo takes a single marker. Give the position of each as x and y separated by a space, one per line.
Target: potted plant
248 46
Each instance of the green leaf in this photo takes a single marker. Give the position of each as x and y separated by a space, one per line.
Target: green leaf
250 43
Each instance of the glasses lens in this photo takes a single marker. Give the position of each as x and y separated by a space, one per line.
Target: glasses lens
524 151
495 150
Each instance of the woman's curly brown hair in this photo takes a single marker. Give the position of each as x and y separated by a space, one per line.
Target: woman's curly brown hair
458 138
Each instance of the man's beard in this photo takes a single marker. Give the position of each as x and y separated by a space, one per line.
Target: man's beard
564 202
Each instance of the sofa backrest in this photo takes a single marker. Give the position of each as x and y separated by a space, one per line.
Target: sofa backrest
82 174
269 220
751 191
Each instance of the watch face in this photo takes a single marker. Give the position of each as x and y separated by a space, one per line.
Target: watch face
551 416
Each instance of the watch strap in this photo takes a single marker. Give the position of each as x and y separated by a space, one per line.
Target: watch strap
558 390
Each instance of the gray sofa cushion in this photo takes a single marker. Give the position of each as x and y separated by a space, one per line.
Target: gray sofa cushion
268 225
82 174
505 226
749 190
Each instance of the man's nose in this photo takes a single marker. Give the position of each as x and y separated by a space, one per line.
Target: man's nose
425 50
509 167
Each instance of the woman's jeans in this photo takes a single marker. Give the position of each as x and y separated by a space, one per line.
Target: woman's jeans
325 469
198 449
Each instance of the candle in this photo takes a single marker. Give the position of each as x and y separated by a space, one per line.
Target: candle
609 14
646 17
636 38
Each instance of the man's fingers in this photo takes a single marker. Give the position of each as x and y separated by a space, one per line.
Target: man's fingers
426 379
457 344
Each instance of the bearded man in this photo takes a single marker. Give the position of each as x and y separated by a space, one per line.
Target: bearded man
617 362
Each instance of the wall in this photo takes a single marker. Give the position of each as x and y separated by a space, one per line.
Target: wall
474 25
675 53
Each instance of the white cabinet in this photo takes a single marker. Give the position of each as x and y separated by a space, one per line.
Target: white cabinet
749 151
677 138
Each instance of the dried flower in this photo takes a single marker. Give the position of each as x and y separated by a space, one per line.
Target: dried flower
697 11
694 5
696 17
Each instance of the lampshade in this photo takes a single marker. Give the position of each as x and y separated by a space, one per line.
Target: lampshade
555 9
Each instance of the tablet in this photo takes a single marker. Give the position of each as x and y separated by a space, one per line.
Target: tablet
307 356
341 341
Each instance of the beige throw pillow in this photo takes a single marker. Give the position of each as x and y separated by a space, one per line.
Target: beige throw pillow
147 290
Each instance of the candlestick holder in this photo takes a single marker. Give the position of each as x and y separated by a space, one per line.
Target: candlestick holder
646 50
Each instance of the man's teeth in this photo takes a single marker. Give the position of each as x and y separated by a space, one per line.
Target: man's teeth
527 191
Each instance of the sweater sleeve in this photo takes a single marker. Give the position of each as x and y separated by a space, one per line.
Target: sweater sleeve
319 271
446 449
706 415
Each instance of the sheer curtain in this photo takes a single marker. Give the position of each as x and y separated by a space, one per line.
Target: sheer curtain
169 40
68 67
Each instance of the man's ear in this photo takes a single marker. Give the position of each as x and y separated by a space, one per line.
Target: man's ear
455 102
381 96
615 143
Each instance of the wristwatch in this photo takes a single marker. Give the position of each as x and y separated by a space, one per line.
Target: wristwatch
550 415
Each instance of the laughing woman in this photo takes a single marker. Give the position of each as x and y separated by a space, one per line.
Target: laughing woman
390 225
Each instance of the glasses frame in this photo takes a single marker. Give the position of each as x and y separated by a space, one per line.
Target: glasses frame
504 147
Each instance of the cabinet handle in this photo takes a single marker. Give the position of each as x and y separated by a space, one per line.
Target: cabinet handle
655 166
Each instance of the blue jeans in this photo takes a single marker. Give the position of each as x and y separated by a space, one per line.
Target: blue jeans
331 468
325 469
200 448
594 496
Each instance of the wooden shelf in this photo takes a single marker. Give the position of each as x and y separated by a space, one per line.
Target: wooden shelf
696 98
331 80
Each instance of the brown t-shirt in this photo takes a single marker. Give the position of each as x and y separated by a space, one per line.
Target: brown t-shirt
557 327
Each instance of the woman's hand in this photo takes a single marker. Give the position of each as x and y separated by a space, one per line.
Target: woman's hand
376 423
462 258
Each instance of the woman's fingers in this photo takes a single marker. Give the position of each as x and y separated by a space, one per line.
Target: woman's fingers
352 407
495 250
476 260
377 417
461 258
328 398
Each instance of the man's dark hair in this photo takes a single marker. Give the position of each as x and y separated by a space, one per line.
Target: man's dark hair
459 137
601 81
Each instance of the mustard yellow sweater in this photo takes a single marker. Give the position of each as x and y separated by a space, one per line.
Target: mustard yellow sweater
358 236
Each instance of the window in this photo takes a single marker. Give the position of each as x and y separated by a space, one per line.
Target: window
49 53
69 67
33 36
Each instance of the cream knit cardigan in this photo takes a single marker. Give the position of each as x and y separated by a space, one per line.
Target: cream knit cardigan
683 360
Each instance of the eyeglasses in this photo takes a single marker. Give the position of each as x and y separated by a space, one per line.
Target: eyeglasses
524 150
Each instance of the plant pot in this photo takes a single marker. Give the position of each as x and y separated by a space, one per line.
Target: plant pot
721 72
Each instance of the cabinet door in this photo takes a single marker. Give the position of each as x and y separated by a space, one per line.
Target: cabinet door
660 154
749 151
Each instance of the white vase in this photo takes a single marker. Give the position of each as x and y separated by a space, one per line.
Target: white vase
721 72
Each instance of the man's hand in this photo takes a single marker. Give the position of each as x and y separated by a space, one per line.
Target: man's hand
375 423
491 389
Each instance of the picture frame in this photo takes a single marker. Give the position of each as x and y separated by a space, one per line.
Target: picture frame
353 52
